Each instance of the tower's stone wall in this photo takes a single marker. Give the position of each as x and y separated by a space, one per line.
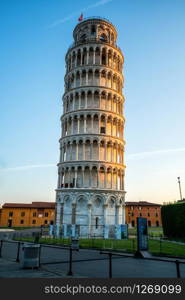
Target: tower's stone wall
91 169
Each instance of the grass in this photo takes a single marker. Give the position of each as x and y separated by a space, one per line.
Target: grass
128 245
151 230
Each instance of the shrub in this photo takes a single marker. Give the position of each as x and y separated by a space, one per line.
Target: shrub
173 220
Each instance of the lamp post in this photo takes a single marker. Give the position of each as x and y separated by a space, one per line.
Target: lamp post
179 188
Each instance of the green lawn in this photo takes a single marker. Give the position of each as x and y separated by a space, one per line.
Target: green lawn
152 231
129 245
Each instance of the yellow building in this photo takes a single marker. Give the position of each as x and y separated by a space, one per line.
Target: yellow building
27 215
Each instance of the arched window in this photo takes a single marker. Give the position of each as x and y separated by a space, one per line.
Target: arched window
103 37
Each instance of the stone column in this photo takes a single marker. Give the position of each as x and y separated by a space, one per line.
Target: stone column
71 63
80 78
99 150
123 214
106 57
117 214
116 127
77 151
78 125
87 56
112 152
61 153
91 150
71 151
72 125
105 179
85 120
89 219
75 177
112 127
93 56
105 153
69 183
92 117
99 123
117 154
75 59
81 51
98 177
83 176
86 79
90 170
100 56
105 213
116 179
73 217
86 99
58 217
59 179
83 150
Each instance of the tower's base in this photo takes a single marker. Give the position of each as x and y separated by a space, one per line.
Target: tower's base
89 214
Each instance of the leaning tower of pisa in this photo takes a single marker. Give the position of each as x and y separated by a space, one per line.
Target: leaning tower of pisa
90 192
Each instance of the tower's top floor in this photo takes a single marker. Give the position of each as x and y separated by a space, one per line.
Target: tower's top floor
95 29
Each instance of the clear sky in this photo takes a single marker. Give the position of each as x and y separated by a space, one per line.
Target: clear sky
35 35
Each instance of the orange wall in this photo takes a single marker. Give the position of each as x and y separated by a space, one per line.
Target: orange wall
28 218
152 210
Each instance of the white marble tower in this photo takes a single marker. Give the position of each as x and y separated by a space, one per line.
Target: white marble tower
90 191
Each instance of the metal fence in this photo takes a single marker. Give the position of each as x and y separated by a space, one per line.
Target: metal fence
111 254
67 256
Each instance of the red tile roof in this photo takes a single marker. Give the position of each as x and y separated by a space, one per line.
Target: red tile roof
30 205
141 203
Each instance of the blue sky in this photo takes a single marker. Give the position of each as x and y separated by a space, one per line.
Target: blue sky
35 35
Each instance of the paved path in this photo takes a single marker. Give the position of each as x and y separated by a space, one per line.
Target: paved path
86 263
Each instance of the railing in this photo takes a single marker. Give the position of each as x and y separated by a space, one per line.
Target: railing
70 261
19 243
110 254
92 40
96 17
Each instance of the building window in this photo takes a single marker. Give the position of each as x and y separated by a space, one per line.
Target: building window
34 214
133 223
22 222
156 214
96 222
132 214
102 130
11 214
22 214
148 214
93 29
46 222
149 223
157 223
46 214
140 214
34 222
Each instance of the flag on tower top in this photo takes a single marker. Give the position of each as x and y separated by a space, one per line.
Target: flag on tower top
80 18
